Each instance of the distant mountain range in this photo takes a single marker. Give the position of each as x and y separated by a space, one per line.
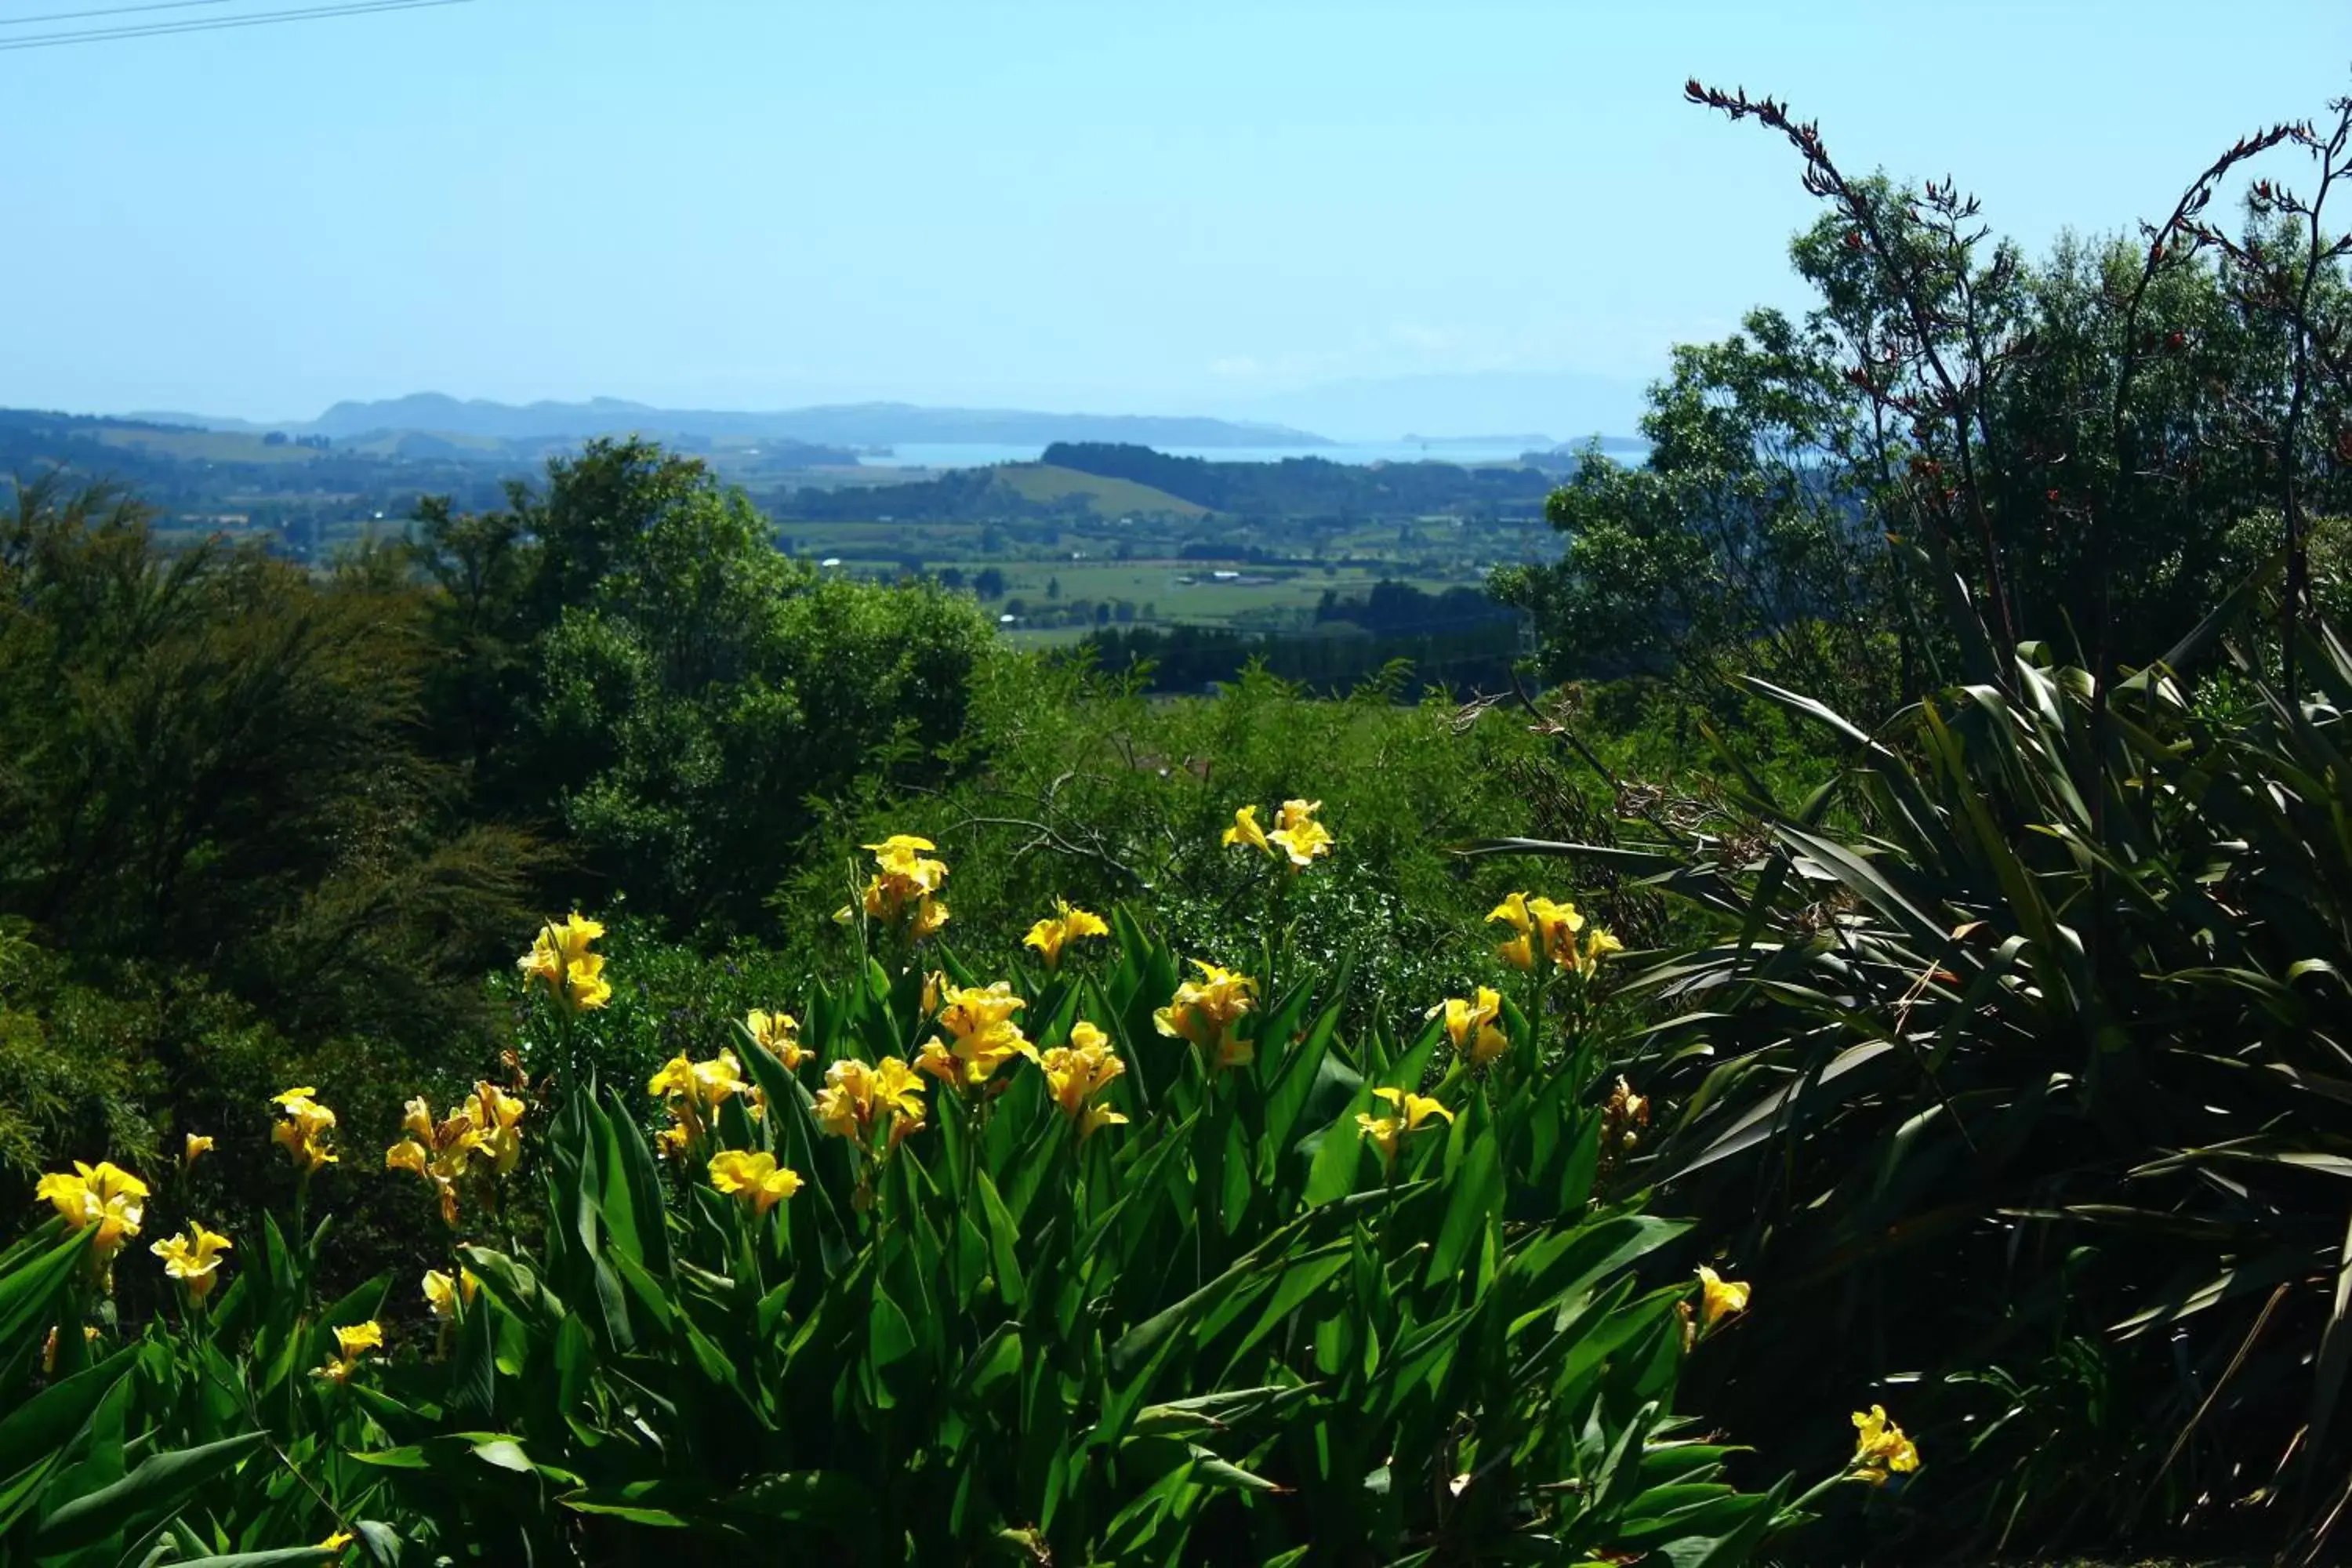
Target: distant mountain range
858 424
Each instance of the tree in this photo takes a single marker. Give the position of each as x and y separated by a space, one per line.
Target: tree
989 583
1742 542
640 670
227 845
2078 451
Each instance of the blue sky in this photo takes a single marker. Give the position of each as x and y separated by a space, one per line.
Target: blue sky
1116 206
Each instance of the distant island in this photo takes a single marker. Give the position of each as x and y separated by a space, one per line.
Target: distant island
855 426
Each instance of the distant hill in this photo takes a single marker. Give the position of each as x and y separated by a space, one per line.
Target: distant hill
1299 487
1106 479
843 425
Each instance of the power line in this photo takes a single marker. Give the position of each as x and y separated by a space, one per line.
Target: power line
108 11
217 24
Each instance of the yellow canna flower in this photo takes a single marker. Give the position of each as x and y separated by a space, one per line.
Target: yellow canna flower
1411 1111
104 1194
904 886
198 1146
778 1033
302 1128
754 1178
1206 1011
445 1295
1880 1448
1065 925
1519 951
1298 834
560 963
671 1143
1597 945
497 1118
855 1097
718 1080
337 1542
1547 931
902 854
930 914
1719 1298
675 1079
1556 925
351 1344
695 1090
481 1131
842 1105
192 1258
1246 833
1080 1070
1470 1026
981 1035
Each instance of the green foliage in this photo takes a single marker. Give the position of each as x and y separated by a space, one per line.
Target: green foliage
223 853
2078 445
1226 1329
628 656
1742 541
2040 1073
64 1083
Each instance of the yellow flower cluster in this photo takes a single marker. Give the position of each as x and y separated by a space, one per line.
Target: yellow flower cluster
1296 835
905 887
693 1091
778 1033
351 1344
192 1258
1408 1114
981 1035
195 1148
1206 1011
755 1179
302 1127
1067 924
1470 1026
484 1134
857 1096
560 963
1880 1448
1080 1070
104 1194
1548 936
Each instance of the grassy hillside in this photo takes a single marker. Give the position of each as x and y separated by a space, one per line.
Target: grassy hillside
1045 484
202 445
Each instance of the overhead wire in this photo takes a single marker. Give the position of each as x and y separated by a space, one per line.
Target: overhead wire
110 11
213 24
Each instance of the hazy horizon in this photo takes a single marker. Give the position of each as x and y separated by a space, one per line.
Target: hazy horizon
1362 220
1562 407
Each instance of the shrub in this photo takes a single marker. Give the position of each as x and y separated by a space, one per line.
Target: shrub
2027 1093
